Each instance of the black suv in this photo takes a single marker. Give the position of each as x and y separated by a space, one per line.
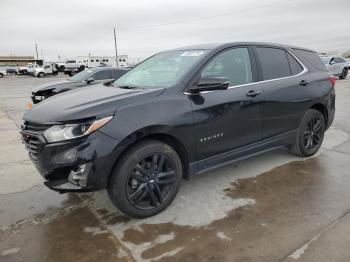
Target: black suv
179 113
84 78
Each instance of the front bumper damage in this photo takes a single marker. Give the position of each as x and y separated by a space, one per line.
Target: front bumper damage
79 165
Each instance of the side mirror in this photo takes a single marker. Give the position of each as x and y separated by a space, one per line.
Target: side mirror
332 62
210 84
89 80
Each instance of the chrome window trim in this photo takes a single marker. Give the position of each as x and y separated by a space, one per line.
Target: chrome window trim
305 70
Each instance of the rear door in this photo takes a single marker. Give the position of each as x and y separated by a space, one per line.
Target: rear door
340 64
284 83
333 67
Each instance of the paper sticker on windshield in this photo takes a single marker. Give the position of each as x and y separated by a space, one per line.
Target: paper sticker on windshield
192 53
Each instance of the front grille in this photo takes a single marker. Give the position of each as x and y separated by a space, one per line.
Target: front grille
33 127
32 138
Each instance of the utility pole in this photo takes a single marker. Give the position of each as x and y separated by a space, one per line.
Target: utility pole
115 46
36 50
42 54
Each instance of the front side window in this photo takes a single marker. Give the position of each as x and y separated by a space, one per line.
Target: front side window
274 62
102 75
81 75
117 73
233 64
162 70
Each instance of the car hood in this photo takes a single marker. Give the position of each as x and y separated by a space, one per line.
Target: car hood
97 100
51 85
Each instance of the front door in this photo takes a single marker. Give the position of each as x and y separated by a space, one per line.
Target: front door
228 119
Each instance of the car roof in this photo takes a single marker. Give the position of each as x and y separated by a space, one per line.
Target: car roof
214 46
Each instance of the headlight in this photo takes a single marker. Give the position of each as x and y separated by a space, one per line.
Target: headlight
58 133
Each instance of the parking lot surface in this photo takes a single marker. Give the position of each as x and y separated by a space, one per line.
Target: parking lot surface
274 207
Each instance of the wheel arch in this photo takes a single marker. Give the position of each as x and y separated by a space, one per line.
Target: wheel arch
153 133
323 109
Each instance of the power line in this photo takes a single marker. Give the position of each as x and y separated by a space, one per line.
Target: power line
209 17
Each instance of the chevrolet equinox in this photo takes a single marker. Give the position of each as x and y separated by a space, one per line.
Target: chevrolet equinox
179 113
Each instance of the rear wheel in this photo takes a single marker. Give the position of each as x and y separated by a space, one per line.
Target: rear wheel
310 134
1 75
146 180
344 73
41 74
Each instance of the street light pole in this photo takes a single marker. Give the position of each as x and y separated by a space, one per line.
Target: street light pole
115 46
36 49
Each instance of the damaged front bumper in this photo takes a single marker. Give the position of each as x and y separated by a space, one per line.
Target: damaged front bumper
79 165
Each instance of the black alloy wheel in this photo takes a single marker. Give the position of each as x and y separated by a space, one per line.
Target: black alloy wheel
309 137
149 182
313 133
146 179
344 73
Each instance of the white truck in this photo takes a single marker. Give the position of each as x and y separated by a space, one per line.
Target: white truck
47 69
29 69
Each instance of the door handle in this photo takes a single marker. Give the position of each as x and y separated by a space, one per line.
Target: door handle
304 82
253 93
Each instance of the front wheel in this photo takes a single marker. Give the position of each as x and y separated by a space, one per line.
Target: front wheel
1 75
146 180
310 134
344 74
41 74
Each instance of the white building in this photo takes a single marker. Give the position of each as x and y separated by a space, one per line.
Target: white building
93 61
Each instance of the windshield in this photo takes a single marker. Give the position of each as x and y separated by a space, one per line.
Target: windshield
325 60
81 76
162 70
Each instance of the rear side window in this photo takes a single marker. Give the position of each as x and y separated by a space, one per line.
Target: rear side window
312 58
101 75
233 64
274 62
295 67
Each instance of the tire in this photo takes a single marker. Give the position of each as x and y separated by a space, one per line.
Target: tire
309 137
41 74
138 187
344 74
1 75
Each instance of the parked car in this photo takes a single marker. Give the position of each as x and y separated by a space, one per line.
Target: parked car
336 65
179 113
82 79
11 70
2 71
71 67
47 69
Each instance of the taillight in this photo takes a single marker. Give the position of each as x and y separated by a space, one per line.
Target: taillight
332 79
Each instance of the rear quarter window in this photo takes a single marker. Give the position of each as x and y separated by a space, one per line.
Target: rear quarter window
295 67
312 58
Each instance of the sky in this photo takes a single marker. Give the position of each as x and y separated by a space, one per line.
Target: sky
144 27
